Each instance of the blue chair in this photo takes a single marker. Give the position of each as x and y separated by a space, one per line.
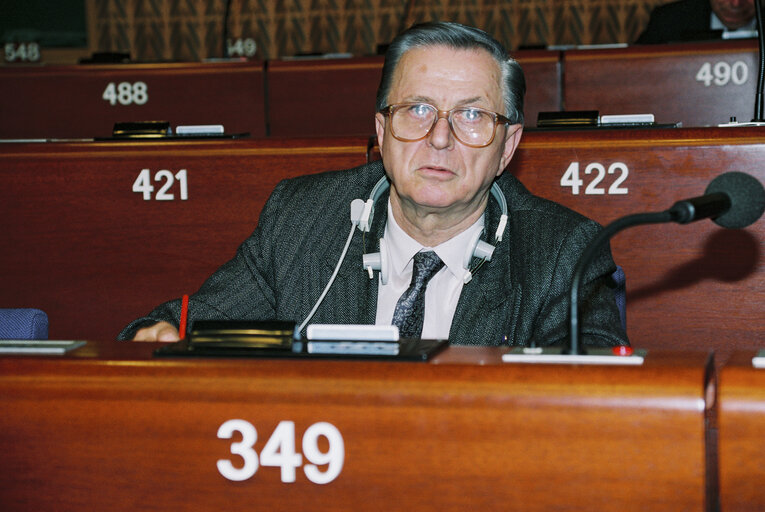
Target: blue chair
23 324
620 294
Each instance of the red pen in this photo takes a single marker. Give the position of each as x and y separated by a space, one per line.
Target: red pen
184 316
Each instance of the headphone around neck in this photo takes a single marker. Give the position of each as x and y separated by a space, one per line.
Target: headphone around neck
361 216
477 248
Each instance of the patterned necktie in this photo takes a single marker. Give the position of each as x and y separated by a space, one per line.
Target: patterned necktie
410 308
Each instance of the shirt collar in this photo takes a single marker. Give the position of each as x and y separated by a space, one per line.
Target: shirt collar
402 247
716 24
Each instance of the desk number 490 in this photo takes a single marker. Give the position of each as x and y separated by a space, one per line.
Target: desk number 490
142 185
279 451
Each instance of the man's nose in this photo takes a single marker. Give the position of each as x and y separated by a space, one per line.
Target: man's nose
441 136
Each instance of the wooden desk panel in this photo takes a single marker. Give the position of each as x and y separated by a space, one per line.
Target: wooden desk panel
741 404
67 101
122 431
337 96
81 245
662 80
323 97
544 82
696 285
97 250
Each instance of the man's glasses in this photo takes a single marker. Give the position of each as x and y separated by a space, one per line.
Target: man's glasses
472 126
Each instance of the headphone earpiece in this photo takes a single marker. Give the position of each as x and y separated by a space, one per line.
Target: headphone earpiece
365 222
377 261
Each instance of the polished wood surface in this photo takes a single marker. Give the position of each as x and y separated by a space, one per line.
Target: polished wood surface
111 428
662 80
81 245
690 286
323 96
281 98
337 96
741 404
67 101
544 82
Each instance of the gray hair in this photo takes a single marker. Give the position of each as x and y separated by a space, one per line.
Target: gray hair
461 37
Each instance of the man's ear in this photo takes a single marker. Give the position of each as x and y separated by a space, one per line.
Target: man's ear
380 129
512 139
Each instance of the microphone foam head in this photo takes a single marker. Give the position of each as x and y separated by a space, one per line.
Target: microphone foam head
747 199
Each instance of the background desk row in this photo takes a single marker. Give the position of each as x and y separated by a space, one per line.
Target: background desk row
97 234
336 97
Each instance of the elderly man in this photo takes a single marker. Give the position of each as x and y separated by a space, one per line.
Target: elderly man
453 248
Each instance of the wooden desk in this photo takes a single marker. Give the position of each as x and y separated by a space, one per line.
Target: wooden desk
699 84
692 286
741 404
81 244
337 96
86 100
325 97
109 428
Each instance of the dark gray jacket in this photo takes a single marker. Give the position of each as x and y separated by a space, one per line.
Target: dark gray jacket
522 293
685 20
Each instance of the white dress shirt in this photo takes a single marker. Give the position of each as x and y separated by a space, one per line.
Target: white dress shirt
444 288
748 30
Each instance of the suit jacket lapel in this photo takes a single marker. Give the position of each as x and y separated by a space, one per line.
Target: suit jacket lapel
352 279
491 298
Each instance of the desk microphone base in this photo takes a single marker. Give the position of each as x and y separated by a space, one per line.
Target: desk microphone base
556 355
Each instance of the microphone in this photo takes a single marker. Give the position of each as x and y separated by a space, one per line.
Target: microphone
758 100
226 13
732 200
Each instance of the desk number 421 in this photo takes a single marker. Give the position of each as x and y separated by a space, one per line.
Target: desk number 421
143 185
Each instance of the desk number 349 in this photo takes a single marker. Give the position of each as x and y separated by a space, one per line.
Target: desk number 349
279 451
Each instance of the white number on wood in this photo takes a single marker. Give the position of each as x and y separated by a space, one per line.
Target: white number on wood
721 73
126 93
279 451
595 186
143 185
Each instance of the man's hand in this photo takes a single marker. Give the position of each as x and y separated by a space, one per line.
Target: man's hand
161 331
